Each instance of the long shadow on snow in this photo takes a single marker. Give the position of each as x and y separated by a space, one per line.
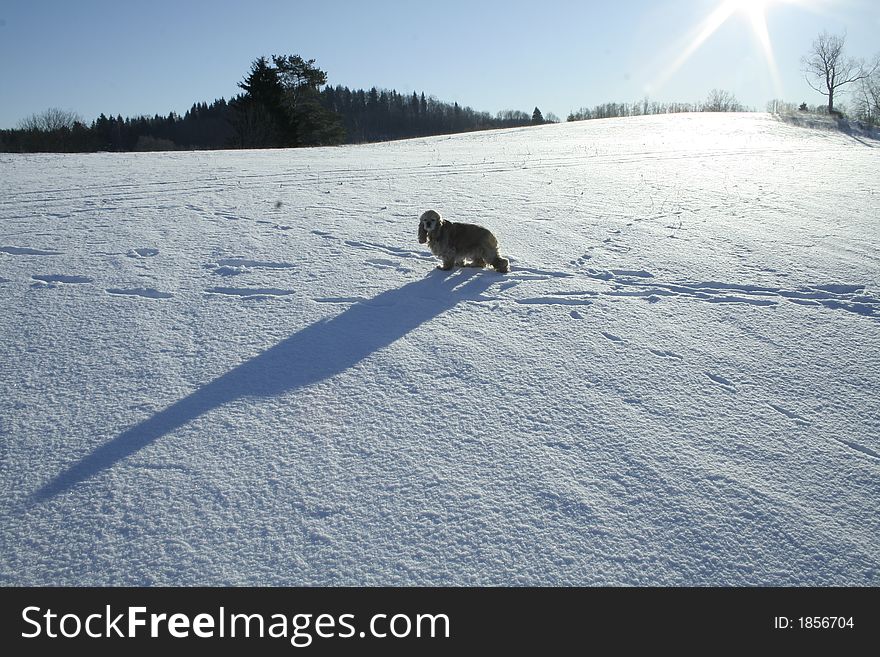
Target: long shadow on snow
318 352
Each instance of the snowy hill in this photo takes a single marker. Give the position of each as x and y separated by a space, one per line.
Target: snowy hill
242 368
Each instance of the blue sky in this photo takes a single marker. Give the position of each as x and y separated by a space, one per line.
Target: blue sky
131 58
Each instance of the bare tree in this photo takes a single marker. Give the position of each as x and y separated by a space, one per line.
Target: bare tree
826 69
49 121
721 101
868 97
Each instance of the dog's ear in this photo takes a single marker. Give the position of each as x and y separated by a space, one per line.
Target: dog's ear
423 234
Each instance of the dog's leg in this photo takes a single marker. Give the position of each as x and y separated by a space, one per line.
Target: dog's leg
477 262
502 265
447 264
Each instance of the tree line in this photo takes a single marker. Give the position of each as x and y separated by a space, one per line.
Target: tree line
718 100
382 115
285 102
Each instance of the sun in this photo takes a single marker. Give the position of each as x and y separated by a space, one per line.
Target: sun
755 10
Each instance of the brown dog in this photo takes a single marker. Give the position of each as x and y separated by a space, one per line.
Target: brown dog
458 243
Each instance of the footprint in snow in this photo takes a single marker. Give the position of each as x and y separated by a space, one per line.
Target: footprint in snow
54 279
720 380
859 448
789 414
236 266
666 354
147 293
250 292
23 250
144 252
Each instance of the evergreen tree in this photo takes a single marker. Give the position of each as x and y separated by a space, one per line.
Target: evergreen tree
259 118
309 122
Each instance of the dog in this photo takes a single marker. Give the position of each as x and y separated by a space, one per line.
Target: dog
457 243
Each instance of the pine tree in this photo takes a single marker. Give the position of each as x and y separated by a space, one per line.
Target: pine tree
260 119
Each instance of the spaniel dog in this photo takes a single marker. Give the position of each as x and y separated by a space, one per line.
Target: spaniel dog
454 243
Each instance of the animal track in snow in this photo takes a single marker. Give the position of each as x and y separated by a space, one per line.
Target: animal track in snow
227 271
235 266
720 380
250 292
665 354
23 250
633 283
789 414
52 279
612 337
376 247
549 301
143 252
145 292
254 264
339 299
517 272
558 445
396 251
385 263
382 262
858 448
611 245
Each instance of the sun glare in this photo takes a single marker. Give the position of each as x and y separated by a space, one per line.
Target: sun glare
750 6
754 10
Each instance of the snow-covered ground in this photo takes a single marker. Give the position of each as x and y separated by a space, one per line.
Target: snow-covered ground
242 368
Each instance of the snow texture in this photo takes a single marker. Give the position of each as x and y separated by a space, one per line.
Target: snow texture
234 368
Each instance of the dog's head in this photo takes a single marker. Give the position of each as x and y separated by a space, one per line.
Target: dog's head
429 222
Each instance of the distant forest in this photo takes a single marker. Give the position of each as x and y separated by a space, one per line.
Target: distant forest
286 102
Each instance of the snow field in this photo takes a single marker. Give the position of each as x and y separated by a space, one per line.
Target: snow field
241 367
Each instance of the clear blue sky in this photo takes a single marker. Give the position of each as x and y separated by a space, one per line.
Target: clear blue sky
132 58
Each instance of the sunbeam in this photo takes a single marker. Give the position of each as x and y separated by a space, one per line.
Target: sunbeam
755 10
757 16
